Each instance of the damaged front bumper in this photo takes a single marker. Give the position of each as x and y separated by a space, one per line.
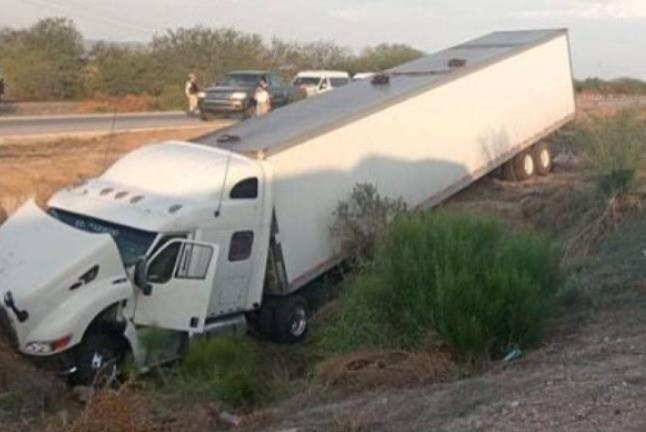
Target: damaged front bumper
62 364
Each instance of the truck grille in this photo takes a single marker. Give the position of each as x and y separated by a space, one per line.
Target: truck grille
6 329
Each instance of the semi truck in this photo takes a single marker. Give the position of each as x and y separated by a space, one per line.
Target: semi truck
228 230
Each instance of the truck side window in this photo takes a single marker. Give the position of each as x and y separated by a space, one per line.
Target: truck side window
241 245
245 189
160 269
194 261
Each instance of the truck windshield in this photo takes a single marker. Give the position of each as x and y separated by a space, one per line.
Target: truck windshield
132 243
241 80
306 81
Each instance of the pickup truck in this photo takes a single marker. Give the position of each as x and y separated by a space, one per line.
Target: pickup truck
234 94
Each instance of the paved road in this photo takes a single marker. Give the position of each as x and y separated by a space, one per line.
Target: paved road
18 126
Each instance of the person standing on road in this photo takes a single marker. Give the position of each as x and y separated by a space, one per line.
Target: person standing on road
191 90
262 98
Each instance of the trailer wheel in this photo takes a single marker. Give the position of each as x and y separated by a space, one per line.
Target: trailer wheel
285 320
97 359
542 155
524 166
507 171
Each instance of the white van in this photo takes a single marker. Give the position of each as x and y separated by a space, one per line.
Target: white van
320 81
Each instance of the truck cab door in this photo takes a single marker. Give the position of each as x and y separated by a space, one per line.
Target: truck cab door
179 278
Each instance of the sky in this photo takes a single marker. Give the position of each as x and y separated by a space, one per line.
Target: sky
608 36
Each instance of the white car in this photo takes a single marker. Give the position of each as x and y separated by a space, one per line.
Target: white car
362 75
319 81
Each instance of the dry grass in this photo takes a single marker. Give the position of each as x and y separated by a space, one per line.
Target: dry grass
40 168
370 370
135 410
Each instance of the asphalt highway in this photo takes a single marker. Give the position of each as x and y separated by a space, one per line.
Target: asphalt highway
18 126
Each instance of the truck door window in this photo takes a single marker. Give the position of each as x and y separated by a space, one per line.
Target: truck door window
160 269
241 245
245 189
194 261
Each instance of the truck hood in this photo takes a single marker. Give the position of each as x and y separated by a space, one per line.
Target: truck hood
43 264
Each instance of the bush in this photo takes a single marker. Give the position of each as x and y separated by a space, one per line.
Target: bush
614 147
223 368
361 222
171 97
481 289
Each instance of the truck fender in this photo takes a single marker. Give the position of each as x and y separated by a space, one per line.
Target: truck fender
75 315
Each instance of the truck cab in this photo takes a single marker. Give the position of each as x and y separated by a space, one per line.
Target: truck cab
173 236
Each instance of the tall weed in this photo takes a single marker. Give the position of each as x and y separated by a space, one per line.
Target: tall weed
463 277
615 147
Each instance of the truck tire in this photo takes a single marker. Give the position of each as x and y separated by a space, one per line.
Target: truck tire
524 166
542 155
285 320
206 116
97 359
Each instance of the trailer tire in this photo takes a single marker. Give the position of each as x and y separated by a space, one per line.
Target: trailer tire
97 359
542 155
285 320
524 166
507 171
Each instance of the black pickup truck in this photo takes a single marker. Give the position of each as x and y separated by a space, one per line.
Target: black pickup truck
234 94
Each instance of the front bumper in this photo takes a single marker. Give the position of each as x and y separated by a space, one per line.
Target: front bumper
222 105
61 363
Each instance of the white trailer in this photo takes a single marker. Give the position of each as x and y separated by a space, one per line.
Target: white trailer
199 237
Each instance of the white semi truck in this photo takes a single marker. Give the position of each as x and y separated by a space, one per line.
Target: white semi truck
194 238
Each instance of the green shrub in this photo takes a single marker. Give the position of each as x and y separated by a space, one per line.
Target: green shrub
361 222
223 368
171 98
615 147
458 275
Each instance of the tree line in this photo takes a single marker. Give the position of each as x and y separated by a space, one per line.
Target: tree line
49 60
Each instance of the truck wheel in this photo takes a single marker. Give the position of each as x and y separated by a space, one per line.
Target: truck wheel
542 155
285 320
524 166
97 359
206 116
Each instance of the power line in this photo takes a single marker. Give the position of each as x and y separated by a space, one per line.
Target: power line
100 18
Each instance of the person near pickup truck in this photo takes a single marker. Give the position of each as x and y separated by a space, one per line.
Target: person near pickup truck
191 90
262 98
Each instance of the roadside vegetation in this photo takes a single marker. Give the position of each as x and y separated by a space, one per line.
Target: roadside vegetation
613 151
620 86
49 61
462 277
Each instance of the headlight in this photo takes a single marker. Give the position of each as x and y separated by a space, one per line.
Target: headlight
238 95
48 347
38 348
201 95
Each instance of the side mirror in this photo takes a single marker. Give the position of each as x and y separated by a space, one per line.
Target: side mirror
141 279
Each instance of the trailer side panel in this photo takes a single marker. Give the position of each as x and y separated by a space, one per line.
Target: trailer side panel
423 148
